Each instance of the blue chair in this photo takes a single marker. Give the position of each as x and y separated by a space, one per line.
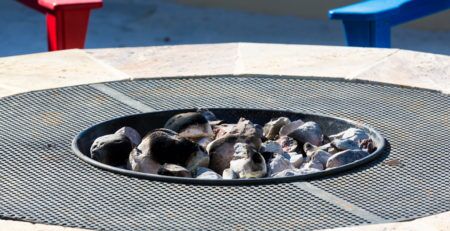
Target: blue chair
368 23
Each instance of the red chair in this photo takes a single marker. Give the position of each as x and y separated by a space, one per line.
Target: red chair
67 20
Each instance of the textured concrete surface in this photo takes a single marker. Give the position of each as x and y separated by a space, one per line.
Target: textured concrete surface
73 67
51 70
393 66
440 222
134 23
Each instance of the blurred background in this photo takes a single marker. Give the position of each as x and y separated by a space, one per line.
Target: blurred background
128 23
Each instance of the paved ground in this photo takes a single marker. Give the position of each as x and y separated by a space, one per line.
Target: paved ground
158 22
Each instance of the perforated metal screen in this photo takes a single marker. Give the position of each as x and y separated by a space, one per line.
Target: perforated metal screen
41 180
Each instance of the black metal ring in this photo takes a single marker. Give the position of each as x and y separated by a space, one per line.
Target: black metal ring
79 144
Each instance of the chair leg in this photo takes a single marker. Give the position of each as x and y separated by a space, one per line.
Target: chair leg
66 29
367 33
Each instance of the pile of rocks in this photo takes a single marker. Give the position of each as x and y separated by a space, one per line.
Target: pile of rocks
199 145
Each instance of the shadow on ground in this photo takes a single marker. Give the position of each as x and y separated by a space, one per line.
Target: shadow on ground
157 22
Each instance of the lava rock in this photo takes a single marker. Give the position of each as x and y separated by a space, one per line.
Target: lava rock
271 129
247 162
190 125
131 134
174 170
345 157
112 149
206 173
278 164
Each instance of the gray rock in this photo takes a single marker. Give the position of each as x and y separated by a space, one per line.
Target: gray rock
207 114
198 159
247 162
295 172
206 173
229 175
221 150
142 162
278 164
244 128
296 159
222 130
345 157
304 171
318 157
288 144
112 149
354 134
203 142
322 157
290 127
314 164
174 170
132 135
344 144
191 125
272 146
161 146
308 132
310 149
272 129
367 145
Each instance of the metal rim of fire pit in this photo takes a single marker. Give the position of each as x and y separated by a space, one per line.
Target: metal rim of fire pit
374 134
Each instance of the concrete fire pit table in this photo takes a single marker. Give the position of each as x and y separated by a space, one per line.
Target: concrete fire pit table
48 98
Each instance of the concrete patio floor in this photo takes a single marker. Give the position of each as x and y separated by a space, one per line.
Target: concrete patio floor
158 22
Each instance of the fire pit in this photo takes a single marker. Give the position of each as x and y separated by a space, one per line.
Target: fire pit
149 121
43 181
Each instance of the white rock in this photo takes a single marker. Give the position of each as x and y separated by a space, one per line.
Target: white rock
229 175
247 162
296 159
278 164
206 173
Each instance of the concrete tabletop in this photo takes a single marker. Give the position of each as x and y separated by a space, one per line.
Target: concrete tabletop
39 71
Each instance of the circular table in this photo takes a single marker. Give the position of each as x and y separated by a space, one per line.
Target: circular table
43 181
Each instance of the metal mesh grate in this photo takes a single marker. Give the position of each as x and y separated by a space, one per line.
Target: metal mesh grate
41 180
416 123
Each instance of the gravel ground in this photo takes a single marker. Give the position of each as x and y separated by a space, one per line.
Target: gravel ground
157 22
